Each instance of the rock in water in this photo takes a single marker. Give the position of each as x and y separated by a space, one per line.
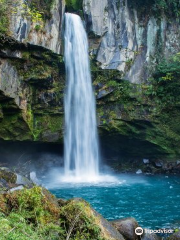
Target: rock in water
146 161
139 171
149 236
127 228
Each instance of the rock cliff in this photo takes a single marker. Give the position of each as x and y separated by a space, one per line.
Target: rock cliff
134 57
130 39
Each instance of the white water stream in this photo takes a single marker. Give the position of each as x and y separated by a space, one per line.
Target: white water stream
81 139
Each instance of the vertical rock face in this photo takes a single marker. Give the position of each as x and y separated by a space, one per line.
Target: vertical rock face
129 42
31 71
9 83
95 13
25 30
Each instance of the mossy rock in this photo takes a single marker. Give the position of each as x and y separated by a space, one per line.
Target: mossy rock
88 224
35 212
8 175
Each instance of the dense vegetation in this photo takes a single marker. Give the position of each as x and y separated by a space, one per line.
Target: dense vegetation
42 6
4 12
36 214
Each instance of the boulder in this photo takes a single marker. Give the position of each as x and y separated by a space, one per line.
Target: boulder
139 171
21 180
149 236
7 175
175 236
178 162
16 189
158 164
126 227
146 161
33 178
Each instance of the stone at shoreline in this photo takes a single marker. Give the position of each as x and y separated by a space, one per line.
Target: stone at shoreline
16 189
8 175
139 171
126 227
33 177
146 161
175 236
21 180
10 180
158 164
149 236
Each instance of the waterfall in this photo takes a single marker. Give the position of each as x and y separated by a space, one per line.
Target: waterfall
81 139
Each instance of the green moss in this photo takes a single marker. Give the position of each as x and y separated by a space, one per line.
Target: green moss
4 17
45 123
13 127
32 213
35 214
42 6
85 226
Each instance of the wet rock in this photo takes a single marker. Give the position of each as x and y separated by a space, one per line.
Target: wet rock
148 170
139 171
7 175
104 93
3 186
158 164
149 236
146 161
127 228
3 183
175 236
48 136
16 189
21 180
178 162
33 177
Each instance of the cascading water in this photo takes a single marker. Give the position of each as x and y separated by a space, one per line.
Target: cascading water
81 140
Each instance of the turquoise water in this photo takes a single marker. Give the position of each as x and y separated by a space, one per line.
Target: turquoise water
153 200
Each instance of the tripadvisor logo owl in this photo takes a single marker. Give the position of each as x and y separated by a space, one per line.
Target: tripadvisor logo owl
139 231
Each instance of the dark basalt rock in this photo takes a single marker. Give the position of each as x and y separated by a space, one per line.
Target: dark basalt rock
127 228
10 181
148 236
175 236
